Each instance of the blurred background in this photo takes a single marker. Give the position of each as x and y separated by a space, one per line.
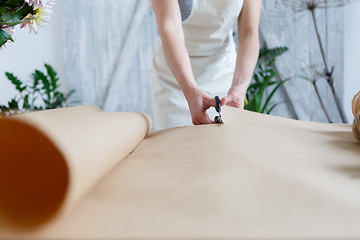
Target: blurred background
103 49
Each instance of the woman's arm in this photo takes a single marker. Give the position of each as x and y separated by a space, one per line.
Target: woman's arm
168 18
248 53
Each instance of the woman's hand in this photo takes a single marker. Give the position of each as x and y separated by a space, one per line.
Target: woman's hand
199 102
235 98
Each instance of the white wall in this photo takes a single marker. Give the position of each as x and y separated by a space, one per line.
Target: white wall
351 55
31 51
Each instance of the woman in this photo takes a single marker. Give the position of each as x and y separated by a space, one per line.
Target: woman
197 57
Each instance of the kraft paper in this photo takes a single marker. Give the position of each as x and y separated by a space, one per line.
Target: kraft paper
50 159
256 177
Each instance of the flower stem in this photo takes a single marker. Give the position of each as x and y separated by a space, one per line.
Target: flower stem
319 39
321 101
328 74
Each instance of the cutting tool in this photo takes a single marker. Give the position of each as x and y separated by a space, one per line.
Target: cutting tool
218 119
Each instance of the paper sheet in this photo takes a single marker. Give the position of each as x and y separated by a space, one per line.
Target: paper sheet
256 177
50 159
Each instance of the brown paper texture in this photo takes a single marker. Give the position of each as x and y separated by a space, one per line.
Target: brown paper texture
52 158
256 177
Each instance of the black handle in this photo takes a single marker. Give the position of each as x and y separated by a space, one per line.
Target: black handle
218 104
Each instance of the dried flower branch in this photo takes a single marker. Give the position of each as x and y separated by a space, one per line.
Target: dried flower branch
303 5
327 73
312 75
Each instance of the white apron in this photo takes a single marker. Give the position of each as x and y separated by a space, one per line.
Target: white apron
209 40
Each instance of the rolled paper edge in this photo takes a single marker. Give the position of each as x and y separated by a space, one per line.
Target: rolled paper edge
34 175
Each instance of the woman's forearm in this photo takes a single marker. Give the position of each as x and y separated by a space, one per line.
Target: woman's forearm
248 53
178 59
248 50
168 19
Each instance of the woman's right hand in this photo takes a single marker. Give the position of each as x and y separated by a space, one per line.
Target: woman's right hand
199 102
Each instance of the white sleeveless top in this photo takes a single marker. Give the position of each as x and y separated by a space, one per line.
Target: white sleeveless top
208 29
208 32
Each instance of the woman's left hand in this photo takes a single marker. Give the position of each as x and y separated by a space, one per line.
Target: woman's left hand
235 98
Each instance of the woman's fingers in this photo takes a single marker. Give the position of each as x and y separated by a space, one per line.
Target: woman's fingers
224 101
202 119
209 102
232 102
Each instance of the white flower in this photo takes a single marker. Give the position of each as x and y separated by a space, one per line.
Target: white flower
40 3
40 18
11 31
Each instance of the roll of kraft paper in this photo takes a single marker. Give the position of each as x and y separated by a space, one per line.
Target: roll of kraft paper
50 159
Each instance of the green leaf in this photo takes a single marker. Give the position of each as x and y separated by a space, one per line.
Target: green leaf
36 82
250 107
256 77
272 94
33 100
53 76
261 68
46 85
3 108
246 101
59 101
38 108
271 62
69 94
19 85
8 6
4 37
26 104
13 15
13 104
263 87
257 103
274 52
257 85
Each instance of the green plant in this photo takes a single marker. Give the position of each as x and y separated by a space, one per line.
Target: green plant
39 94
264 77
13 13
